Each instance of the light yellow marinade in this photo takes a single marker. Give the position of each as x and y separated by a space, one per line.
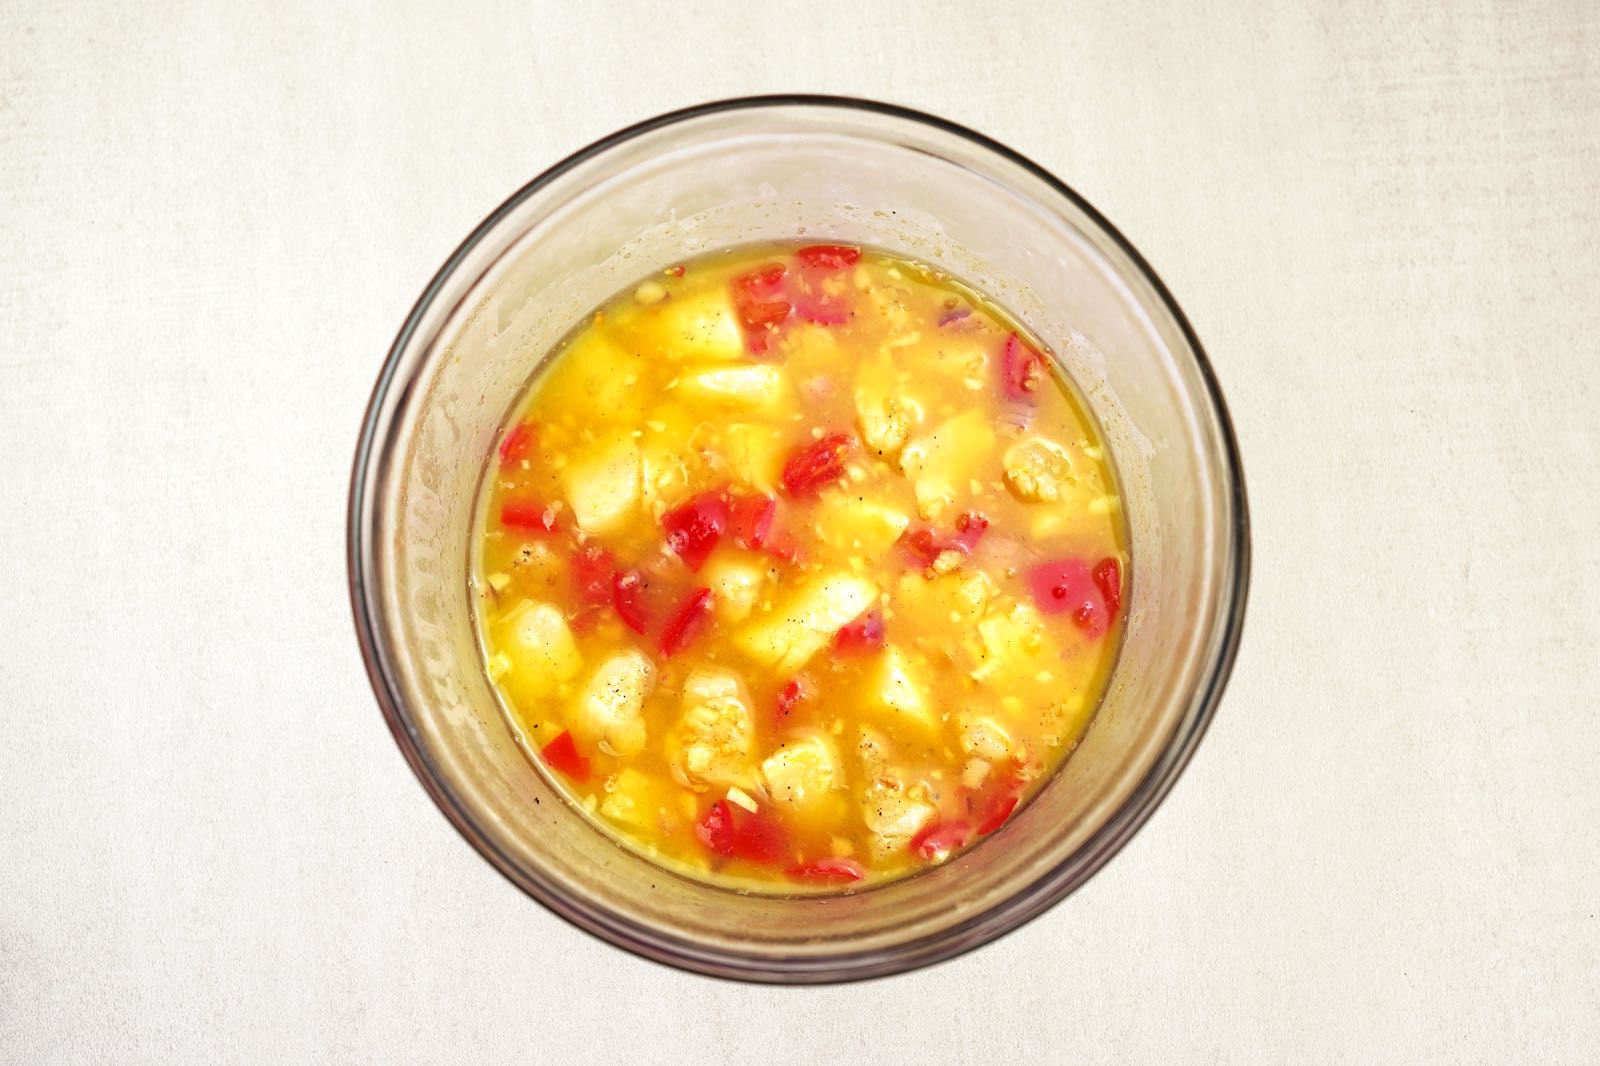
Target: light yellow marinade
893 757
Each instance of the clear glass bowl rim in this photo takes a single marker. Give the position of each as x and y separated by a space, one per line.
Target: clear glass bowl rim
1004 916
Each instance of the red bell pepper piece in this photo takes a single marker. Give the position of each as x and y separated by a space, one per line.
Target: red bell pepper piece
763 281
685 625
924 545
751 518
1065 586
627 596
816 304
758 837
1021 369
970 527
715 829
817 294
994 811
829 871
789 696
828 256
530 516
784 547
694 529
734 832
562 754
938 840
1108 579
518 442
817 464
759 303
863 636
592 570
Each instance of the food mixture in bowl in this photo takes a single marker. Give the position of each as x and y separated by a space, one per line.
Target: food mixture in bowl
799 567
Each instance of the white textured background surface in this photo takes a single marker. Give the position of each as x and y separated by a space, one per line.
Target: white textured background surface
1384 222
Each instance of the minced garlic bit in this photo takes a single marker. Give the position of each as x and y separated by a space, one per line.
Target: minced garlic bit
739 796
651 292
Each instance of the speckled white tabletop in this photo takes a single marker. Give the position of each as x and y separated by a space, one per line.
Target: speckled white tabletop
1385 224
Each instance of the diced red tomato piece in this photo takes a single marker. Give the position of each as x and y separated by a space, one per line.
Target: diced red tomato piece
530 516
562 754
694 529
789 696
1064 586
685 625
939 839
627 595
518 442
829 871
817 464
829 256
1021 369
863 636
592 570
751 518
1108 578
758 837
715 829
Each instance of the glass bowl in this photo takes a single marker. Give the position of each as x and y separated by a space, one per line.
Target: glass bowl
761 169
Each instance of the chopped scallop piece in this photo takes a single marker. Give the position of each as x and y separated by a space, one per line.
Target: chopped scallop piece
885 416
1037 469
1013 645
893 816
873 751
897 689
984 737
943 463
540 650
801 772
735 584
609 712
753 386
807 348
859 526
785 638
711 743
692 327
756 453
604 488
665 458
974 774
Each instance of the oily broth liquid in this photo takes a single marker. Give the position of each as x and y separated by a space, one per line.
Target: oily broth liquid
799 570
